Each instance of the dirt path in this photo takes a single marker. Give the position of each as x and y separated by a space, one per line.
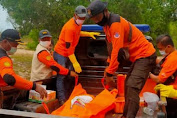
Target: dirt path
24 51
22 61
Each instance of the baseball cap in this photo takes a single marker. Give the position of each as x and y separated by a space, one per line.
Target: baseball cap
11 35
81 11
149 38
95 8
44 33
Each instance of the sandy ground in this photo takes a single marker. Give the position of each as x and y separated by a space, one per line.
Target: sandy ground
22 61
24 51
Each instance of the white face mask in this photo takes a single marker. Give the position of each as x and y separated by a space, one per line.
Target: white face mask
45 44
12 50
79 22
163 53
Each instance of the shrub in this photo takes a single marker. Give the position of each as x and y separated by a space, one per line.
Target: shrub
34 36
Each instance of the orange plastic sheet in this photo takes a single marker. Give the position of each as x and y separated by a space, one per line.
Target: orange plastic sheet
148 87
97 108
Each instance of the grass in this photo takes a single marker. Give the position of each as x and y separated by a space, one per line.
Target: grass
22 64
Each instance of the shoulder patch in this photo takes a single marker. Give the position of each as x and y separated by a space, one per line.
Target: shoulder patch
7 64
163 74
48 58
116 35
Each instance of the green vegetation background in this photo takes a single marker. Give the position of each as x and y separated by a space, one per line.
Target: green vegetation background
30 16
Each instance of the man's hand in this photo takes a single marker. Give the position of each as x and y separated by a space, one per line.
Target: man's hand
77 67
154 77
110 81
41 91
73 74
105 72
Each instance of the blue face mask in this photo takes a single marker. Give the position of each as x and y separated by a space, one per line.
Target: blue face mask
12 50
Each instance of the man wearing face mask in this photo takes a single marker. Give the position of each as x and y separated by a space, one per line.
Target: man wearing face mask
168 71
43 63
167 74
65 47
121 34
9 41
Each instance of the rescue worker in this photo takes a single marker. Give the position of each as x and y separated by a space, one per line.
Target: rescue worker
9 41
168 71
122 35
43 63
65 47
167 74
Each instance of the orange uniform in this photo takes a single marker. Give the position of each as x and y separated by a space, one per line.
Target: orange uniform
69 38
117 33
8 76
169 67
46 58
175 86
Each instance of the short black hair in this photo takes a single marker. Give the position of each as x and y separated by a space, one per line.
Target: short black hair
165 40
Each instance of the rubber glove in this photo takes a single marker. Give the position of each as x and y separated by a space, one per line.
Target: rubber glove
166 90
76 65
89 34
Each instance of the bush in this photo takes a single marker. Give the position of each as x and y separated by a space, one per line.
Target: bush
34 36
172 31
31 46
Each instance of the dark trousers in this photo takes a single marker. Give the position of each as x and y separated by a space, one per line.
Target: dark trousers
171 108
64 84
134 83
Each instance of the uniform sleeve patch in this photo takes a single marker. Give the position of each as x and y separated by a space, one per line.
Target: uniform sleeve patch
48 58
163 75
7 64
116 35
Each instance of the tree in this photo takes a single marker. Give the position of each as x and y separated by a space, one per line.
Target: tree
41 14
53 14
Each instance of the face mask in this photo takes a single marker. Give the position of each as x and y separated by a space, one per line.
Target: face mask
12 50
79 22
103 21
163 53
45 44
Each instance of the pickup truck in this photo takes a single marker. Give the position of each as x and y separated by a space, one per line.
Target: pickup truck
92 56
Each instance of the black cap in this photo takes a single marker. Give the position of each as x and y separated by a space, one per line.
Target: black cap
44 33
96 7
11 35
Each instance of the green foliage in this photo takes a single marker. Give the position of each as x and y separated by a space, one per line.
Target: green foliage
31 46
41 14
53 14
173 29
34 35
